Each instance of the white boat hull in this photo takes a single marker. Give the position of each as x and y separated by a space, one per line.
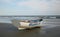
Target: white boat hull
25 25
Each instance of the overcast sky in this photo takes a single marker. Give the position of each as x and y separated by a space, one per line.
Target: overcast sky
29 7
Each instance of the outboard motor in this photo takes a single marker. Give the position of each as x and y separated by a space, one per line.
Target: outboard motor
40 20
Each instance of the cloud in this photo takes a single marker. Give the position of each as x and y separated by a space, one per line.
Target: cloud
56 6
41 5
7 1
34 4
30 7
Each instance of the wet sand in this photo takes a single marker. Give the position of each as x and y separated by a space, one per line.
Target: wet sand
8 30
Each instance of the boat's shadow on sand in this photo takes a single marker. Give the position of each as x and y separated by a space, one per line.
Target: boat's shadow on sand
34 32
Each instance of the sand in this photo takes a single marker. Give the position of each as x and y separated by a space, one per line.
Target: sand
9 30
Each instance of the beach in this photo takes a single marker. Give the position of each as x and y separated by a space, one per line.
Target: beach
50 30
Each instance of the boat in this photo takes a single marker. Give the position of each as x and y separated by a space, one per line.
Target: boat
26 24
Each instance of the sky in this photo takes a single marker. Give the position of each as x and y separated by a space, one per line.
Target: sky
29 7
